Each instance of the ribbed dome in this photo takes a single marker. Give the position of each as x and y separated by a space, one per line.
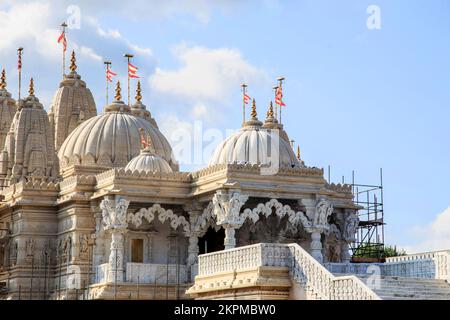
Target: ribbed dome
148 162
112 139
251 144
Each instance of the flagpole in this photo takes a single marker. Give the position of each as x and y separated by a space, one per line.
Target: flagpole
280 81
19 65
128 56
64 25
107 63
243 101
275 97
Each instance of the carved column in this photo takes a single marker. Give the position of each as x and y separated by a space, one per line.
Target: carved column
99 240
114 213
226 208
351 222
316 245
194 211
318 212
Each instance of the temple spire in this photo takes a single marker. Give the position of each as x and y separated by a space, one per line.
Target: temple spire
73 60
31 87
3 80
138 92
254 114
118 96
298 152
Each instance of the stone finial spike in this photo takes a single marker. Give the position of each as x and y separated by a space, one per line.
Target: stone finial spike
3 80
254 114
118 96
298 152
73 60
31 87
270 111
138 92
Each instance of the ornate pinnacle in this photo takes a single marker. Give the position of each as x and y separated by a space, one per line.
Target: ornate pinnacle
298 152
254 114
3 80
31 87
73 60
270 111
138 92
118 96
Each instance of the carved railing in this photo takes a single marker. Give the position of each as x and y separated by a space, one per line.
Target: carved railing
429 265
424 269
440 259
103 273
317 281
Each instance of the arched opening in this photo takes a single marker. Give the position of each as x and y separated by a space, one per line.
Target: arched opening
212 241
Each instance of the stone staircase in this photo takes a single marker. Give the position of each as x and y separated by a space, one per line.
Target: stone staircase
402 288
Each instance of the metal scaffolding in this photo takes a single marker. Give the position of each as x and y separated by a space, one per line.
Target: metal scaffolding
369 238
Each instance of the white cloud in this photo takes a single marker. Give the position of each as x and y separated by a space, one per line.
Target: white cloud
28 23
109 33
210 74
89 52
435 236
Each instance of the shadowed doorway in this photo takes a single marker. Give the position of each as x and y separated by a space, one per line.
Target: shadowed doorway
212 241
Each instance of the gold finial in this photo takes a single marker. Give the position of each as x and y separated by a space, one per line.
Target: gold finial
118 96
3 80
254 114
138 92
31 87
270 111
73 60
298 152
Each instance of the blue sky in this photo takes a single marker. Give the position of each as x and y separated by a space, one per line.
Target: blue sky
357 99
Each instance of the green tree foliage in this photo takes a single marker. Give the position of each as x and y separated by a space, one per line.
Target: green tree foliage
371 250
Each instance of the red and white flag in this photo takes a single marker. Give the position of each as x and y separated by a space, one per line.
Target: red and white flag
62 38
279 98
132 71
110 75
19 62
247 98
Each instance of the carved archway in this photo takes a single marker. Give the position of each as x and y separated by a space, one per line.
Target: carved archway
205 221
163 215
266 209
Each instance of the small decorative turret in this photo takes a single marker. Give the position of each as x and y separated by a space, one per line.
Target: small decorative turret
31 87
118 96
73 60
3 80
298 152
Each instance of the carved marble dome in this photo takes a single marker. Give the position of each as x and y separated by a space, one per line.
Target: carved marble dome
112 139
72 104
251 144
147 161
